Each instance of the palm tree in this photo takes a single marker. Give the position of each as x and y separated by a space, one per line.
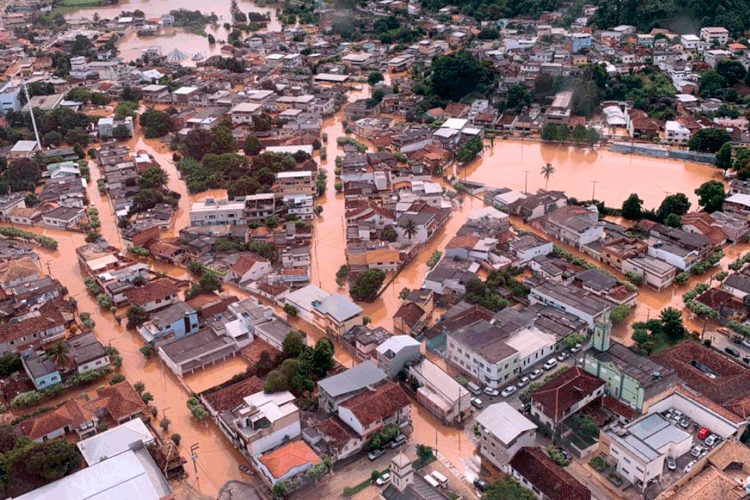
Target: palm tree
140 386
547 171
59 354
410 228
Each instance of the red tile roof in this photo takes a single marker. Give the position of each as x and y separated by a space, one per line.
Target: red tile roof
120 400
410 313
230 397
559 394
381 403
151 291
731 386
72 413
548 477
287 457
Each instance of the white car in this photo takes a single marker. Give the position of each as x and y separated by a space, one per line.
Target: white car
491 392
508 391
375 453
522 382
550 364
563 356
535 374
384 478
697 451
575 348
689 466
476 402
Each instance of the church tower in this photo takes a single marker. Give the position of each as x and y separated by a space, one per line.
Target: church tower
402 473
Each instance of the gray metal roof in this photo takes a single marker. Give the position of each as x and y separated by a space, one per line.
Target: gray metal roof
355 378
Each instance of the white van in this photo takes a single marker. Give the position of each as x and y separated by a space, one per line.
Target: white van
474 388
432 481
441 479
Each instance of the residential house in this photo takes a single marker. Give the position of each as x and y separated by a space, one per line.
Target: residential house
479 349
656 273
260 422
131 435
439 393
563 396
575 226
361 341
87 353
154 295
304 300
41 370
528 246
338 388
537 472
187 354
210 212
62 217
299 182
336 315
537 205
37 329
286 462
737 285
370 411
615 252
573 300
178 320
395 353
503 431
248 268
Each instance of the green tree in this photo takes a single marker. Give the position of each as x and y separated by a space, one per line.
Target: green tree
136 316
579 134
374 77
724 156
469 150
59 353
367 285
453 76
410 228
252 146
711 83
507 489
322 358
632 208
711 195
121 132
389 234
518 97
709 140
547 171
222 140
673 220
732 70
677 204
671 324
292 346
23 174
51 459
153 178
640 336
209 282
549 132
139 387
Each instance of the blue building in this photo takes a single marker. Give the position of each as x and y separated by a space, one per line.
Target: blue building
579 41
179 319
42 371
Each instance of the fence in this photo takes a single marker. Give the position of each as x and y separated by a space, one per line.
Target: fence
662 152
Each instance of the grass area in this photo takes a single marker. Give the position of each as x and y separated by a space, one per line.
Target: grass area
350 492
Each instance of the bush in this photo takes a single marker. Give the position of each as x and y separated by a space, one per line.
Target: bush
598 463
196 408
116 379
26 399
290 310
434 258
557 456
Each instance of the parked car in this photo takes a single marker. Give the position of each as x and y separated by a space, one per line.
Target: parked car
563 356
711 440
491 392
684 422
522 381
550 364
384 478
477 402
689 466
671 464
703 433
535 374
732 351
697 451
480 484
575 348
746 342
375 453
397 441
508 391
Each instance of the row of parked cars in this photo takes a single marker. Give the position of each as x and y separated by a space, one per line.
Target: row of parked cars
709 439
394 443
512 389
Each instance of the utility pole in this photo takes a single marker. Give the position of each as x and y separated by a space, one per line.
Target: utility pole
194 456
31 112
593 190
526 182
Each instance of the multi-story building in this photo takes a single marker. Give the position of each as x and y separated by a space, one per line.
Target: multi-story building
479 350
573 300
656 273
715 35
676 132
503 431
210 212
617 251
296 182
579 41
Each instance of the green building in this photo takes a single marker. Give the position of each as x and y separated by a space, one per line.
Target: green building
630 377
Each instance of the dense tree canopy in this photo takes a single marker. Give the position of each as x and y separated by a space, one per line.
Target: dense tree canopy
367 285
711 195
709 140
453 76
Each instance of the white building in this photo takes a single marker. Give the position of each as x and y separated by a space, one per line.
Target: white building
715 35
210 212
573 300
676 132
502 432
641 447
244 112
